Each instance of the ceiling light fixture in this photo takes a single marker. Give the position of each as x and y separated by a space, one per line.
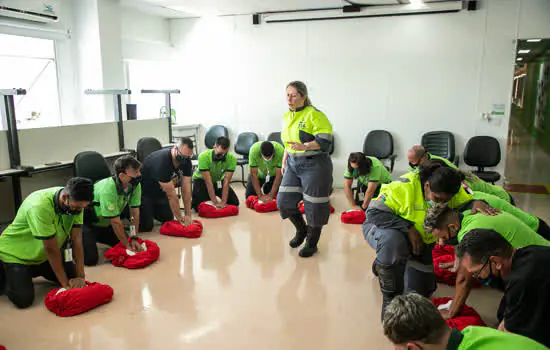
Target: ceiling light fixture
521 52
534 40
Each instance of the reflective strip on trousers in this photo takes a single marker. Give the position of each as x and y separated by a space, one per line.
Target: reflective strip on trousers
316 200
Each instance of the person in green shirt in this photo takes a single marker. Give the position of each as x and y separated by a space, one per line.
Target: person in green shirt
370 174
417 155
212 178
102 222
450 226
45 239
265 163
412 322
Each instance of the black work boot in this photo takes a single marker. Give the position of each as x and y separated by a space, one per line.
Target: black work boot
392 281
301 230
313 235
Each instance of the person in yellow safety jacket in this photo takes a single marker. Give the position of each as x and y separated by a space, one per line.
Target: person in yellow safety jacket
395 227
307 168
417 155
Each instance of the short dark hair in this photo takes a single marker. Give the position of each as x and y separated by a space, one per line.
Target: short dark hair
442 179
80 189
126 162
185 141
267 149
223 142
480 244
412 317
364 163
437 216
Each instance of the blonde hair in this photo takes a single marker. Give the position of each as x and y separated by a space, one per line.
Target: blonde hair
302 90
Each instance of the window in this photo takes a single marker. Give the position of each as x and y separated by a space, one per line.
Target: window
29 63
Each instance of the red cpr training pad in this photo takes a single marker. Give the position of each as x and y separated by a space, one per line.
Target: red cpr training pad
466 317
174 228
75 301
209 210
302 210
120 257
444 254
252 202
357 217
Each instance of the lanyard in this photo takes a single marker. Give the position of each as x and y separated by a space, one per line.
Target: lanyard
65 230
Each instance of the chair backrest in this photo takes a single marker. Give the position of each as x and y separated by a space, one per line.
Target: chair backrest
275 136
482 151
146 146
379 144
440 143
91 165
245 140
213 133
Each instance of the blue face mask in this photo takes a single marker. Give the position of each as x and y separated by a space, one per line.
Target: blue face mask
432 203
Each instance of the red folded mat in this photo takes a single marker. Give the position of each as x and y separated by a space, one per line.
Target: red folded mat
208 210
302 210
357 217
252 202
120 257
75 301
174 228
466 317
442 255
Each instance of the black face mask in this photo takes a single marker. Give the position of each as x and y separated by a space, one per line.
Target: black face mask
181 158
68 211
134 181
452 240
220 157
414 166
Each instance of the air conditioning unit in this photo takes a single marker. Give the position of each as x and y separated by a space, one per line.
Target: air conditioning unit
29 10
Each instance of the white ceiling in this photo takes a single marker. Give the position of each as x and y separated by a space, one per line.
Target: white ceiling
193 8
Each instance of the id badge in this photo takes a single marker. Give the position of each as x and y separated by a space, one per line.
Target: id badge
220 185
361 196
68 254
267 178
132 230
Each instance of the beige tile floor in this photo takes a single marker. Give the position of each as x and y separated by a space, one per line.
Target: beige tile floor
241 287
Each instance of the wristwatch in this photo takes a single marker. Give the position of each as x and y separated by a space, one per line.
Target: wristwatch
306 145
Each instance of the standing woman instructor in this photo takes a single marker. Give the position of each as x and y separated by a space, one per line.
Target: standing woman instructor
307 168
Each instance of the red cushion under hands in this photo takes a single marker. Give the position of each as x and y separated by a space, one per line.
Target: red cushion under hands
210 211
253 202
78 300
302 209
441 255
120 257
174 228
357 217
466 317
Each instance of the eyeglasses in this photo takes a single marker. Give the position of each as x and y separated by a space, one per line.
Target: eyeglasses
477 273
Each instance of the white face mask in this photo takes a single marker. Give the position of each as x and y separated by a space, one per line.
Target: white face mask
266 159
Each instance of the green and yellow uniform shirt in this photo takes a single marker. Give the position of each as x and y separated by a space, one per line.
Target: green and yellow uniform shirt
528 219
110 199
431 156
217 168
255 159
378 173
508 226
306 124
405 198
478 185
39 218
485 338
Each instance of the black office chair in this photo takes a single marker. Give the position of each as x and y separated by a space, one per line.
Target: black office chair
442 144
213 133
146 146
91 165
275 136
244 141
481 152
379 144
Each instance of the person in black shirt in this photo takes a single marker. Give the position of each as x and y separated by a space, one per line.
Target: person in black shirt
162 172
525 307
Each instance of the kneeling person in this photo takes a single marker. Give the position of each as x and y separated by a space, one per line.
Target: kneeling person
45 239
525 306
370 173
413 322
265 162
111 196
216 167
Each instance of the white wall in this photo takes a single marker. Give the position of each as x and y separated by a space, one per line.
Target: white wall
408 75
